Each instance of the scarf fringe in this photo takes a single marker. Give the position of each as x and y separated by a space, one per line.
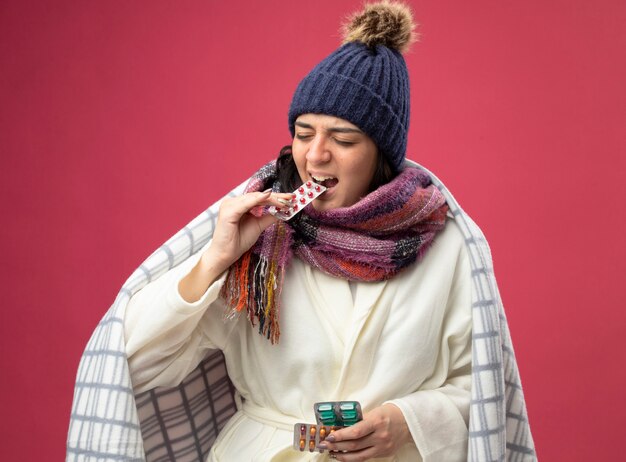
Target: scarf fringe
254 282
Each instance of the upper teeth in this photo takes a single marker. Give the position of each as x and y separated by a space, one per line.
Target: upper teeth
321 178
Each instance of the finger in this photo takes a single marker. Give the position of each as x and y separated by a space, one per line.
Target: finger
233 209
355 456
358 430
352 438
268 198
241 204
350 445
278 200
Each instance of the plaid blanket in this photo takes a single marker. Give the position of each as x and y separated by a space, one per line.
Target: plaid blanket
109 422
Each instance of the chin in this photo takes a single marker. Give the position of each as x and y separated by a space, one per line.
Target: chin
322 206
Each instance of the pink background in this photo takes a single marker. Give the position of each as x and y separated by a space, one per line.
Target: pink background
121 121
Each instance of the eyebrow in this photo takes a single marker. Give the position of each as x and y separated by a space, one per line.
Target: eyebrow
331 129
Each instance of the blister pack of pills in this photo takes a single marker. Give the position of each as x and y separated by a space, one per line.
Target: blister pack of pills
300 198
306 437
338 413
330 416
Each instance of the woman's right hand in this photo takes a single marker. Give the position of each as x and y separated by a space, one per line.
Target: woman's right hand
236 230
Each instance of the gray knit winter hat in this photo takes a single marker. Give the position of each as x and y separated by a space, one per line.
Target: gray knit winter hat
365 81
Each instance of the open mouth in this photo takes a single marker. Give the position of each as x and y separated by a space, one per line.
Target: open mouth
326 181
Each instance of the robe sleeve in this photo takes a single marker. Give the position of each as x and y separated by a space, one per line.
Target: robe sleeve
167 337
438 414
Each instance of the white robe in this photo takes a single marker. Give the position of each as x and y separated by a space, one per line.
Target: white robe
406 341
110 422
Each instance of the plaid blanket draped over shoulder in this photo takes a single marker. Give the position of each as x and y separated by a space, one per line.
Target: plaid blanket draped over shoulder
109 422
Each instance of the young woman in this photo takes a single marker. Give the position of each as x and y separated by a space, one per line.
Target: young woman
365 295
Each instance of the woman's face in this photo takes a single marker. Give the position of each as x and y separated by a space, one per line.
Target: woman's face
333 152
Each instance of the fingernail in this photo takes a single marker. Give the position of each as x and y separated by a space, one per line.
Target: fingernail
322 445
268 190
330 438
284 202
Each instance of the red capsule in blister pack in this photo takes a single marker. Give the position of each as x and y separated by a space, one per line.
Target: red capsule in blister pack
300 199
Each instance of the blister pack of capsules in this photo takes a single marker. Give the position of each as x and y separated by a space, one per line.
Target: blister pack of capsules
300 198
338 413
306 437
330 416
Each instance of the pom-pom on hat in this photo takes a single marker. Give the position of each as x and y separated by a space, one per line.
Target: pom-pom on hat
365 81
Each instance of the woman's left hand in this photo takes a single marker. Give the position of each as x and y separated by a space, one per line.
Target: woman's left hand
381 433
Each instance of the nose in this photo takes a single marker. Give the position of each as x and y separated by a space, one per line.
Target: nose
318 150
